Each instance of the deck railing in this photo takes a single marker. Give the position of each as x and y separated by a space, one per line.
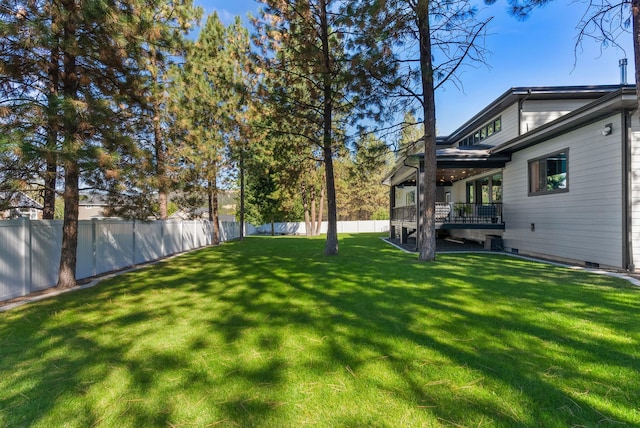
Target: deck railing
455 212
407 213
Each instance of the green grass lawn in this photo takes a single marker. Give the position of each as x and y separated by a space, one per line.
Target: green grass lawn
270 332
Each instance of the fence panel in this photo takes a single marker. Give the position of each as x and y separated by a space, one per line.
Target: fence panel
223 231
229 230
46 245
86 261
204 233
30 249
148 241
13 256
114 245
172 237
188 235
250 229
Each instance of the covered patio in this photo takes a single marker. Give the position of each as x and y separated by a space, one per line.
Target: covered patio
453 165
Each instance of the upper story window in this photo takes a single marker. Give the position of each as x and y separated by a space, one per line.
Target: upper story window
483 133
549 174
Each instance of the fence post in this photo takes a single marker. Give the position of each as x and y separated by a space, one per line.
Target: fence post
162 238
27 258
133 255
94 246
30 251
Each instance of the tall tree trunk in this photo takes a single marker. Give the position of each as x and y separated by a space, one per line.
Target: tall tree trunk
213 208
70 85
68 258
312 204
209 202
161 162
50 180
323 194
242 193
426 227
635 9
216 232
308 226
51 157
158 140
331 247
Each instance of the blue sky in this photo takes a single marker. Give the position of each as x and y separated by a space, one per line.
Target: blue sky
537 52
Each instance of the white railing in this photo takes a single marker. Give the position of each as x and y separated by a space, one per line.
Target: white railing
30 250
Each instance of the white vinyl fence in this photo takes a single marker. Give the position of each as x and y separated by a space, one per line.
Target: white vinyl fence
361 226
30 250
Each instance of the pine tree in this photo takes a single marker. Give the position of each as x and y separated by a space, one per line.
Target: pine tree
363 170
145 180
444 35
210 96
29 84
307 64
79 63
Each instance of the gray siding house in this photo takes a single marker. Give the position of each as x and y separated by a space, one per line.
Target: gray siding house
550 172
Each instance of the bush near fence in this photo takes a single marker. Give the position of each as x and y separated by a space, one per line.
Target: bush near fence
30 249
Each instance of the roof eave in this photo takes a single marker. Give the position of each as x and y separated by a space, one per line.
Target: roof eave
623 99
516 94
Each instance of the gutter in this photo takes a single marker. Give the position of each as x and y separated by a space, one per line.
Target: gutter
516 94
603 107
520 108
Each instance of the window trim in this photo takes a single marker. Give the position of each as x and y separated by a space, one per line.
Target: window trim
530 162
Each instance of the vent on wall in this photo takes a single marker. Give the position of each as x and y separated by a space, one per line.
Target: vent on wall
592 265
514 251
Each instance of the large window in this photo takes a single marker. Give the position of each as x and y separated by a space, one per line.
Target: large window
549 174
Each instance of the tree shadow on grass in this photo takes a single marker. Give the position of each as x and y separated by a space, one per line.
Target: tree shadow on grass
255 334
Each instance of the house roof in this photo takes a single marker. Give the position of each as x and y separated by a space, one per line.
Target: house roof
607 99
624 98
517 94
460 157
94 199
18 200
466 161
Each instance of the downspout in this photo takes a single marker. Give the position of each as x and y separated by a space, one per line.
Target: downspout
627 188
418 216
520 107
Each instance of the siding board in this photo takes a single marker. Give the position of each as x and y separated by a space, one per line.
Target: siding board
536 113
583 224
